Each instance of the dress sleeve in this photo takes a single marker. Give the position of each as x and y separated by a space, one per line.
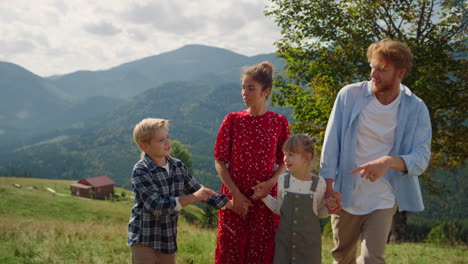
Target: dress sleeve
222 148
284 135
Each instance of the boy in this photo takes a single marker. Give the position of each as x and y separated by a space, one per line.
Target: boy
162 187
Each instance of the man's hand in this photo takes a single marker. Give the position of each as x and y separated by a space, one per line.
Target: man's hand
332 198
333 202
375 169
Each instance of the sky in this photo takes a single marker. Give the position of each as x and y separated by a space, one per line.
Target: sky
54 37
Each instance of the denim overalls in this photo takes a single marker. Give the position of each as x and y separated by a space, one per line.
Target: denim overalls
298 239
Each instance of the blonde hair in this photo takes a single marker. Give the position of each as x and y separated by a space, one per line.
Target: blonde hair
392 51
300 143
144 130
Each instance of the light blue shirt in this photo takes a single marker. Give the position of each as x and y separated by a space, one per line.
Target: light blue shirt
412 144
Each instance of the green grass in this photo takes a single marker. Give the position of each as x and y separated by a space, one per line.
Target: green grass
37 226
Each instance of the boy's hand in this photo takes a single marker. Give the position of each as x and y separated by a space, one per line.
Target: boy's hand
203 194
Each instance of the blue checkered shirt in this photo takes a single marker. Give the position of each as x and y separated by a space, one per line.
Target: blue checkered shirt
153 220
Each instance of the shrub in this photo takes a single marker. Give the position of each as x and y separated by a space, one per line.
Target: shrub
189 217
209 217
448 233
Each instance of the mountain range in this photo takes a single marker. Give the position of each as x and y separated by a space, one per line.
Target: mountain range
80 124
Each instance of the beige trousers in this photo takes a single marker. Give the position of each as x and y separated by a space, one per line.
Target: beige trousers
146 255
372 228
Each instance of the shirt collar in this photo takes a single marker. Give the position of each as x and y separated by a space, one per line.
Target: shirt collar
153 165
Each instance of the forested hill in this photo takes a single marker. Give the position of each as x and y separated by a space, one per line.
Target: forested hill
80 125
194 86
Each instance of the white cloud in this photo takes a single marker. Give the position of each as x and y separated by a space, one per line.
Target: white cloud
51 37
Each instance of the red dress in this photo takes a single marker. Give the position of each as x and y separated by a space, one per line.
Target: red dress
252 145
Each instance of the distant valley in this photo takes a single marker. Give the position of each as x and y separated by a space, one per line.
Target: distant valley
80 124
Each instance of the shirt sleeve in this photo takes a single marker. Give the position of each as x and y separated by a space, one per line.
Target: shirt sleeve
222 148
271 203
331 142
218 201
319 199
275 204
178 206
191 186
148 192
417 161
283 137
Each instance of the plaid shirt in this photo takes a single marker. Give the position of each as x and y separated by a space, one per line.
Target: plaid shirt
153 220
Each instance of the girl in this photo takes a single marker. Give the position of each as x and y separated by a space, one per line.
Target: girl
300 203
247 149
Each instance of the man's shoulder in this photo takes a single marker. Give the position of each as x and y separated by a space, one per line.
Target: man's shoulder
411 97
355 87
349 93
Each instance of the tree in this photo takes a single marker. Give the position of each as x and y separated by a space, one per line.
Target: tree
324 44
180 152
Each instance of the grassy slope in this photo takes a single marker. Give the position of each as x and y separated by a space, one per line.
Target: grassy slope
39 227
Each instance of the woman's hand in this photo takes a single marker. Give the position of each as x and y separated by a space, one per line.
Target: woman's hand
240 204
262 189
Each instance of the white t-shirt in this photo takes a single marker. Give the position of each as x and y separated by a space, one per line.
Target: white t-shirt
375 139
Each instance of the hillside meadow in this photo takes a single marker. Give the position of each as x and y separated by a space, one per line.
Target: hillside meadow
38 226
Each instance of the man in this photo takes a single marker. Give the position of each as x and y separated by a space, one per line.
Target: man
376 143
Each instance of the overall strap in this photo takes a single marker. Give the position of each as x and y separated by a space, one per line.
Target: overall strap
286 180
315 180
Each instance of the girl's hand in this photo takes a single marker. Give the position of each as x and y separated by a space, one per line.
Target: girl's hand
262 189
333 202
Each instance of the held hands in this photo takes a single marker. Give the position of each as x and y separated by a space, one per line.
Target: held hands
203 194
230 206
262 189
240 204
333 202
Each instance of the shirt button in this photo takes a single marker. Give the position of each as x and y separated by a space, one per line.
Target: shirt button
295 222
294 233
293 246
297 209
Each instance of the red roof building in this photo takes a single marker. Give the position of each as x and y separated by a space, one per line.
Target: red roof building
95 187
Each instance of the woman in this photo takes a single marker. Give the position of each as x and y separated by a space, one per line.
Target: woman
248 146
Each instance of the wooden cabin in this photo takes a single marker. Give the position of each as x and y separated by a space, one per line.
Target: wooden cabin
96 187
